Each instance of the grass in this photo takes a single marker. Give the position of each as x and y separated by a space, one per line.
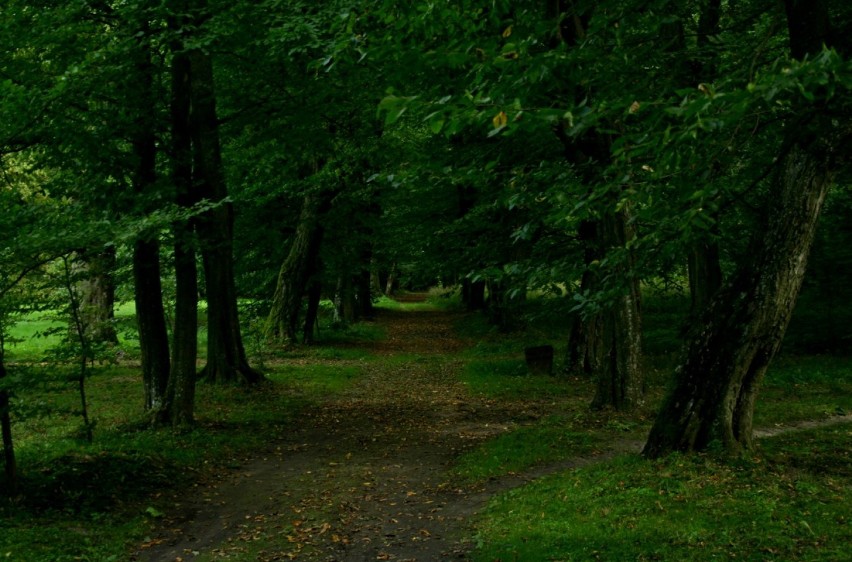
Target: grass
552 440
317 380
83 501
87 502
805 388
773 507
786 503
509 379
33 336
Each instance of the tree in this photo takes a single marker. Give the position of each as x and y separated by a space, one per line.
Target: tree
301 264
726 359
97 294
178 404
148 286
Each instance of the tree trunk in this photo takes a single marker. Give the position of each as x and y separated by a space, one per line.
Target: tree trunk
501 308
473 294
742 329
151 321
297 269
178 404
376 278
9 465
585 339
226 357
345 311
364 296
97 295
620 382
314 295
703 267
585 345
390 288
148 293
726 360
705 275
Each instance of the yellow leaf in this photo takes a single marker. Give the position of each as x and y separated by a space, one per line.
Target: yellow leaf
634 107
500 120
507 31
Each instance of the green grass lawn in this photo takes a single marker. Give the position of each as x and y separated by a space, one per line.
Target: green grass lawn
81 501
790 502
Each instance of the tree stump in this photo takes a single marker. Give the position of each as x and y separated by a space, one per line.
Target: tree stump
539 359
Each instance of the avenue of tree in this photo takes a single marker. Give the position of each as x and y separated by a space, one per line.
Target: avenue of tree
282 152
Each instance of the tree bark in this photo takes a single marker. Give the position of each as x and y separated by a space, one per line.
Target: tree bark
726 360
617 328
620 382
364 294
226 357
375 278
390 288
345 311
314 295
742 328
703 263
151 321
705 275
502 309
148 293
297 269
585 338
97 295
178 404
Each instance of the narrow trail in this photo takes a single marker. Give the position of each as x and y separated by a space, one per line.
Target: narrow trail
365 475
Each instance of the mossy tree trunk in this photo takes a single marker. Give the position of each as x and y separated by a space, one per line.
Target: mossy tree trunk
741 330
301 263
97 294
620 382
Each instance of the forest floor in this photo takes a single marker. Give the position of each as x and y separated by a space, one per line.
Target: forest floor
365 475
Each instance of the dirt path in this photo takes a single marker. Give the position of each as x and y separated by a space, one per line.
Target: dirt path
362 478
